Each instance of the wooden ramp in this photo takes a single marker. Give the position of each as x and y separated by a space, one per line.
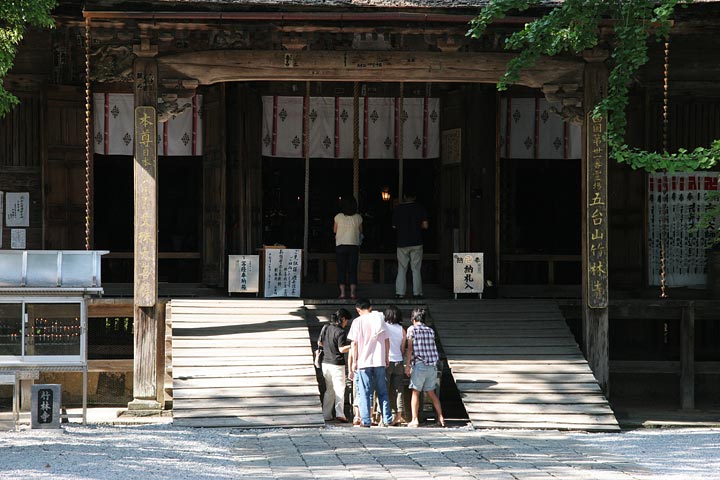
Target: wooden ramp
517 365
242 363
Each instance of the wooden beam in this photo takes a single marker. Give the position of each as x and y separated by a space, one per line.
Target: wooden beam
216 66
595 319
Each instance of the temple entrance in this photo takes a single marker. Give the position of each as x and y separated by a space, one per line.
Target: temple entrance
384 167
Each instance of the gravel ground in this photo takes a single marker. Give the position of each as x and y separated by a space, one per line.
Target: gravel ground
165 452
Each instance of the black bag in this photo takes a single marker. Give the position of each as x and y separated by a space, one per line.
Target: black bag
318 354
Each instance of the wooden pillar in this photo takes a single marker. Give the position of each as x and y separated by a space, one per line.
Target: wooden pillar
145 77
687 357
595 293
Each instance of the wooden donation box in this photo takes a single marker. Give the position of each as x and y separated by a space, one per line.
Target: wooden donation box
468 273
282 270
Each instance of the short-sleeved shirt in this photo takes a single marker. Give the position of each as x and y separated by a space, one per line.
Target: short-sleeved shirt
369 331
333 338
408 219
348 229
423 344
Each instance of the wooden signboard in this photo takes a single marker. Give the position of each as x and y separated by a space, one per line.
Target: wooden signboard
244 274
468 273
597 223
145 207
282 272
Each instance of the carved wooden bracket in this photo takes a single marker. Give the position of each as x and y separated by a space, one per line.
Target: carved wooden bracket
450 43
570 98
294 43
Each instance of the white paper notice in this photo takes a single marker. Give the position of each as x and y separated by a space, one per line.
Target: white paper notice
17 239
17 209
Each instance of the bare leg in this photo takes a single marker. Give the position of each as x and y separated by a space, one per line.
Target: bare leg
415 406
436 403
353 288
342 290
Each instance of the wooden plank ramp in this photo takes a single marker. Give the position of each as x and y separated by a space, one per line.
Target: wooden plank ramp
516 365
242 363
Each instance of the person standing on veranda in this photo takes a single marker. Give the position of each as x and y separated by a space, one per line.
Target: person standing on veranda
409 220
347 229
421 357
395 374
368 360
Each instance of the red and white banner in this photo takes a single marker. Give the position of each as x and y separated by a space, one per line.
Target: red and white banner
530 129
331 128
676 202
113 126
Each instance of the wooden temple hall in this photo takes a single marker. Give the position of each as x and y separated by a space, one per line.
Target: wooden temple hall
170 135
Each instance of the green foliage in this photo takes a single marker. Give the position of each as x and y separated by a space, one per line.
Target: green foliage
572 27
15 16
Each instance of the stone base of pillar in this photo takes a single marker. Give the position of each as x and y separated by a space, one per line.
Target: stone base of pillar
141 407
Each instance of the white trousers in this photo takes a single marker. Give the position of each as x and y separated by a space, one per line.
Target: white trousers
334 390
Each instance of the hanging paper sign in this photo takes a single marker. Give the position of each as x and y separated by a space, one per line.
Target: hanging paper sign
597 222
17 209
17 239
282 272
244 273
468 273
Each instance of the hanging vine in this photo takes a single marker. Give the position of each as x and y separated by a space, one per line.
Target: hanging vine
573 27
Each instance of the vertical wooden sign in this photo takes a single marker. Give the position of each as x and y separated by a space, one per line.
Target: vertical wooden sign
145 207
597 219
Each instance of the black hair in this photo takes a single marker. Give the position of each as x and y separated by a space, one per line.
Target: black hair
418 314
339 315
393 315
349 205
363 304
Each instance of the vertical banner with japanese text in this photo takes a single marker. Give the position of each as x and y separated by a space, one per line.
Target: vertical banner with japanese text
145 207
597 221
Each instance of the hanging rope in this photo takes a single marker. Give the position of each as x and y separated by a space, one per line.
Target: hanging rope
306 147
87 133
401 141
356 140
664 213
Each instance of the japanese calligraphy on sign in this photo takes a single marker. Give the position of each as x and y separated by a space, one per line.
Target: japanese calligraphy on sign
17 239
468 273
45 401
17 209
282 272
597 221
244 273
145 207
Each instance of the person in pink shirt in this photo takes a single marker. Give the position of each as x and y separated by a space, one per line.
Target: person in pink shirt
369 359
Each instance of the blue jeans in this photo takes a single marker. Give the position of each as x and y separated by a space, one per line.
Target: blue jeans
368 380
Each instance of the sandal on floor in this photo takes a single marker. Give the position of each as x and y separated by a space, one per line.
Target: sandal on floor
413 424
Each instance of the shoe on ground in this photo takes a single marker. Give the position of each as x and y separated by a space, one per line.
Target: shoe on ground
418 297
341 420
357 421
413 424
398 296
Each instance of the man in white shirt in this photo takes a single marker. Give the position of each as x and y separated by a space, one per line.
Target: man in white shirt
369 358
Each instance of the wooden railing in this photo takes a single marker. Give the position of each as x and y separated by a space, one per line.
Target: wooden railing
549 259
372 265
686 311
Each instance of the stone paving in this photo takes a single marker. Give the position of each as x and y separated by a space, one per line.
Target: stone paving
425 453
165 451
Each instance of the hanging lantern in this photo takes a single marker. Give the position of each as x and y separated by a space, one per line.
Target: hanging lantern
385 194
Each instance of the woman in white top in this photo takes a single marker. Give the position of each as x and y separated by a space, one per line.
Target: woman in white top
395 373
347 228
